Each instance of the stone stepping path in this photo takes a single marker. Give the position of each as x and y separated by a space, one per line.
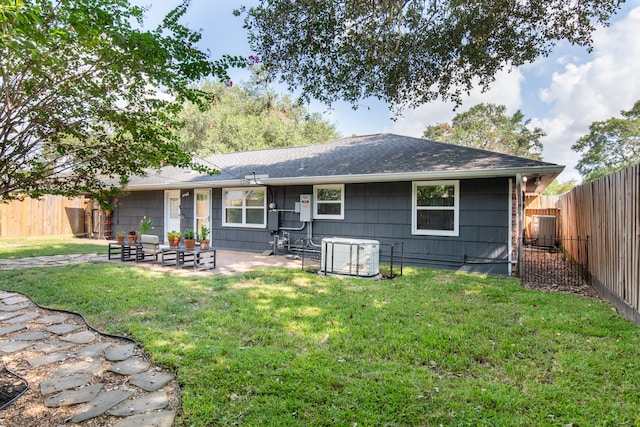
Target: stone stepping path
78 376
51 261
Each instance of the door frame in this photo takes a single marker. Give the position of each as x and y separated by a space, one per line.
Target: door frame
170 224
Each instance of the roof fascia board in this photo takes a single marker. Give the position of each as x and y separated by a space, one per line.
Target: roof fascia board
363 178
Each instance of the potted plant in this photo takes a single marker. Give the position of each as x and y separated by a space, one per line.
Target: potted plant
174 239
204 237
133 236
189 239
107 206
120 236
146 224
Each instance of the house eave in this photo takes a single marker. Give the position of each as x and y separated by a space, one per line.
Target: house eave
547 172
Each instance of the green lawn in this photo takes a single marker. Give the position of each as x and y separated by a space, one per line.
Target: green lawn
41 246
288 348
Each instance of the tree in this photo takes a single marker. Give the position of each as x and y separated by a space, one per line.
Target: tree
80 94
487 126
248 117
557 188
409 52
610 145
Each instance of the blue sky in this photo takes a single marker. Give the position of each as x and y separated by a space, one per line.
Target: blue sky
563 93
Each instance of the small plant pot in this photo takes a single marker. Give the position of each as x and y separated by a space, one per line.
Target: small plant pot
204 244
120 239
174 242
132 238
189 244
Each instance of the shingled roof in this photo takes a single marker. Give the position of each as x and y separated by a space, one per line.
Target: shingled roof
370 158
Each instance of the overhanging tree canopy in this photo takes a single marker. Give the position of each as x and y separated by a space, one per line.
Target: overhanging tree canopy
408 52
610 145
79 84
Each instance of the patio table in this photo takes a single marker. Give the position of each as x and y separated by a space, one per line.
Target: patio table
202 259
127 251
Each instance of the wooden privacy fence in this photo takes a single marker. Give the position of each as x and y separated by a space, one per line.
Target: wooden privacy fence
607 210
48 216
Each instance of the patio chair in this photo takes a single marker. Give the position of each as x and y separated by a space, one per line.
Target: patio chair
150 245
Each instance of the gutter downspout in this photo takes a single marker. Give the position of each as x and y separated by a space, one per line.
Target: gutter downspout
519 222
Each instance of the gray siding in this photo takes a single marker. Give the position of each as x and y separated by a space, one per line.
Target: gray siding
380 211
133 207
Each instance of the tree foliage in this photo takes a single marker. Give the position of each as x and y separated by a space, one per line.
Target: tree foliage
488 127
409 52
79 82
250 117
610 145
557 188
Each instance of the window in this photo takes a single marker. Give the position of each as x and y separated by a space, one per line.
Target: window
202 209
328 201
244 207
435 208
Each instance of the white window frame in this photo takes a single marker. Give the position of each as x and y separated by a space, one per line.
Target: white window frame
317 215
244 208
455 208
207 218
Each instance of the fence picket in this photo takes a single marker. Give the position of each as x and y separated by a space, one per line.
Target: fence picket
607 210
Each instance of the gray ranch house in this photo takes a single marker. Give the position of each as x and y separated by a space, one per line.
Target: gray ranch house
448 206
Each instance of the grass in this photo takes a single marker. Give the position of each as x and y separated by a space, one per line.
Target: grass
42 246
287 348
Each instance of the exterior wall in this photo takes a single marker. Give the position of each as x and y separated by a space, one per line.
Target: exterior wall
380 211
132 208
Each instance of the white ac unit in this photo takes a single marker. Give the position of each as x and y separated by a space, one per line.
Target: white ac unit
353 257
543 230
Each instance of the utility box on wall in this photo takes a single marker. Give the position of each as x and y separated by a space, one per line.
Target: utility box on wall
305 208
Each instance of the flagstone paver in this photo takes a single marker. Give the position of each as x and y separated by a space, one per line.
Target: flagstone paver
92 351
84 337
50 347
151 381
63 328
81 372
133 365
156 419
76 367
52 319
59 384
102 403
150 402
32 336
13 346
121 352
73 397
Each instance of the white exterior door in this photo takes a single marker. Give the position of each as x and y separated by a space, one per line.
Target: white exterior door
171 211
203 206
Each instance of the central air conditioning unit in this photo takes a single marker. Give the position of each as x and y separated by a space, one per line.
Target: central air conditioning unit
543 230
353 257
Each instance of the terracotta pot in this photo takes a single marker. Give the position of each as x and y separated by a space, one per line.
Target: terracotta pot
132 238
204 244
174 242
190 244
120 239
